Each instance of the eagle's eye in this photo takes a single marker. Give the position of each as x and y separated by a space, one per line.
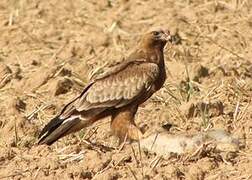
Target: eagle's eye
155 33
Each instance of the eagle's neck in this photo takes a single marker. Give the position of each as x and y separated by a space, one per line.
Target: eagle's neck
150 54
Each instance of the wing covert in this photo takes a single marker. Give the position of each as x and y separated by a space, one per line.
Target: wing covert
120 88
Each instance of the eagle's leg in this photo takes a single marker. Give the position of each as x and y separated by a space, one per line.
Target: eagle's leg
123 125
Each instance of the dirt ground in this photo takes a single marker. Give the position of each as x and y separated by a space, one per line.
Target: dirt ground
49 49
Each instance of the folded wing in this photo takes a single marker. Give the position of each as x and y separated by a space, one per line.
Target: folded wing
116 89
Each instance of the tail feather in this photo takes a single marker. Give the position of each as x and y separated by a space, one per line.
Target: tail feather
51 126
56 129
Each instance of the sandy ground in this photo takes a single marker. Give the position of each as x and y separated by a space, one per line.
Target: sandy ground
48 50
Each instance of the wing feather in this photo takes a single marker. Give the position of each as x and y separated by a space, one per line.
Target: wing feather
120 88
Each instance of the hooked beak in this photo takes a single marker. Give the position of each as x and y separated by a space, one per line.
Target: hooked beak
166 36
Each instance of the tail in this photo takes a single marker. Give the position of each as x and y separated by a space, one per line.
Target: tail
56 129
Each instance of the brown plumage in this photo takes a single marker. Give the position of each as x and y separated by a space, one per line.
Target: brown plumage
117 93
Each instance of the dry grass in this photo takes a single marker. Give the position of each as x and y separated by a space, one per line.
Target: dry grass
43 43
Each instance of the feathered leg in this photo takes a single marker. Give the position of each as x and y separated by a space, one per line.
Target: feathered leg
123 124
